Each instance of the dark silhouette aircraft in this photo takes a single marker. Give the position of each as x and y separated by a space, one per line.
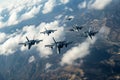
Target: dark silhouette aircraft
48 31
76 28
29 43
58 45
69 19
90 33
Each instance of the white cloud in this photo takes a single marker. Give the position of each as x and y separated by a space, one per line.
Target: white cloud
14 11
99 4
48 7
77 52
2 24
1 18
64 1
31 59
35 10
119 52
82 5
71 16
7 2
10 45
58 16
104 31
48 65
12 19
70 9
2 37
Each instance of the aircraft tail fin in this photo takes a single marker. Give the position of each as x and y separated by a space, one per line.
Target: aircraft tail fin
54 41
27 38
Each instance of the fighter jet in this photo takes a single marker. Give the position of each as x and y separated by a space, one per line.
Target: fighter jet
48 31
58 45
29 43
90 33
76 28
69 19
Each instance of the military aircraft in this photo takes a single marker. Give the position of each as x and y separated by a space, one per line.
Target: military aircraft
48 31
90 33
29 43
58 45
76 28
69 18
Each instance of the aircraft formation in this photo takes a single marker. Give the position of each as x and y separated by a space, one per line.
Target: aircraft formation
59 44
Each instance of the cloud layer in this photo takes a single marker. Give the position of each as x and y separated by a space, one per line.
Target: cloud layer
77 52
2 37
99 4
94 4
14 14
48 7
27 9
82 5
19 11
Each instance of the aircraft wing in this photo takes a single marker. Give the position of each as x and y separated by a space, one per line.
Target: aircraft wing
53 30
22 44
37 41
43 32
50 46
